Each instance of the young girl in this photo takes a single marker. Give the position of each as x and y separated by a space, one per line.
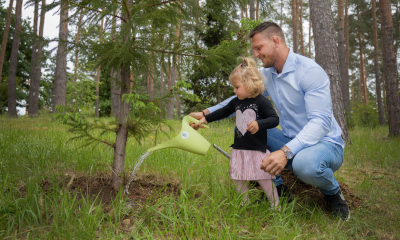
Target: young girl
254 114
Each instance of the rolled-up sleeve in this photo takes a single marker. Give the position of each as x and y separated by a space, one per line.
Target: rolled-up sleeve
318 104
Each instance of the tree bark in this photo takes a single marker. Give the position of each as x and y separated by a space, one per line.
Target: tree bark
173 76
309 34
346 37
34 87
252 10
327 56
280 24
12 72
294 27
78 34
376 66
390 69
96 103
302 49
361 93
33 55
257 10
115 80
5 37
344 75
60 76
122 132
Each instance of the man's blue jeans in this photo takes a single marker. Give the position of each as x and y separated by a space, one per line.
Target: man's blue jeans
314 165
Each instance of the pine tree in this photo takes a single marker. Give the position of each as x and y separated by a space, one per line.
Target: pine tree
326 55
390 68
12 72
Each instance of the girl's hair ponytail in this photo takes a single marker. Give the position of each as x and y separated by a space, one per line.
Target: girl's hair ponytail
248 74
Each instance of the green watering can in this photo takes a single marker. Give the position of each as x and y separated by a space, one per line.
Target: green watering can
188 139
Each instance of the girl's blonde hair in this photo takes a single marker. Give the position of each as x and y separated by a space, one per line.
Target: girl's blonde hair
248 74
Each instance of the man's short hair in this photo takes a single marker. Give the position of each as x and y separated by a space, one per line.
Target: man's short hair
269 29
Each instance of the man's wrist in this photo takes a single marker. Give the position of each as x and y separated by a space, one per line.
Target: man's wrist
288 154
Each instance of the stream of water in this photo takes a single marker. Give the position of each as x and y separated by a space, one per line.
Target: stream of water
135 168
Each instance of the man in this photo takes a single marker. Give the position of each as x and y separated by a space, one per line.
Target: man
310 143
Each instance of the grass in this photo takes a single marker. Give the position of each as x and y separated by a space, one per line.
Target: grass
207 207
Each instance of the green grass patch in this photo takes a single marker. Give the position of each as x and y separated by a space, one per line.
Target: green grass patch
36 160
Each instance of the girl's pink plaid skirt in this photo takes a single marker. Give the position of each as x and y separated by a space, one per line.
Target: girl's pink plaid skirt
245 165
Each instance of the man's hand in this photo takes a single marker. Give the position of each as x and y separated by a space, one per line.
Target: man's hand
252 127
274 163
197 115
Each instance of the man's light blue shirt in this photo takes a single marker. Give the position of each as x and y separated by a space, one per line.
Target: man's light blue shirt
302 96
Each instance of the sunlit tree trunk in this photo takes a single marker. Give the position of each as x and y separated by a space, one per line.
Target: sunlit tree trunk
5 37
344 75
60 76
327 56
390 69
35 80
12 72
252 10
96 110
376 66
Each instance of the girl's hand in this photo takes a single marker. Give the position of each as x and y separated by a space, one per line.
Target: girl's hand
201 121
252 127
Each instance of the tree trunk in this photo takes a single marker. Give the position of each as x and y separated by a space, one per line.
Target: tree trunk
327 56
361 93
78 34
302 49
12 72
376 65
60 76
294 23
173 76
365 80
115 80
257 10
162 83
35 79
346 37
122 132
252 10
96 103
344 75
33 56
5 37
280 23
309 33
150 77
390 69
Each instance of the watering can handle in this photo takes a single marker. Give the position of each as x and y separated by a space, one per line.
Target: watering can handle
187 119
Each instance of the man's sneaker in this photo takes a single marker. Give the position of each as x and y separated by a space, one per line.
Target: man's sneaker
338 206
283 192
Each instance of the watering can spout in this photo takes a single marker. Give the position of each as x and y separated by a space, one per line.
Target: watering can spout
188 139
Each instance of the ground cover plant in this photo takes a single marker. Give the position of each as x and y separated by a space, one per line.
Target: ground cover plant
51 188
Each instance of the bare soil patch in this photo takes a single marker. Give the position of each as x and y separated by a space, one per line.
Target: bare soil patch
306 193
149 188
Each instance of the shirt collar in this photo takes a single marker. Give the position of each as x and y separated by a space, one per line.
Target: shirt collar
290 64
